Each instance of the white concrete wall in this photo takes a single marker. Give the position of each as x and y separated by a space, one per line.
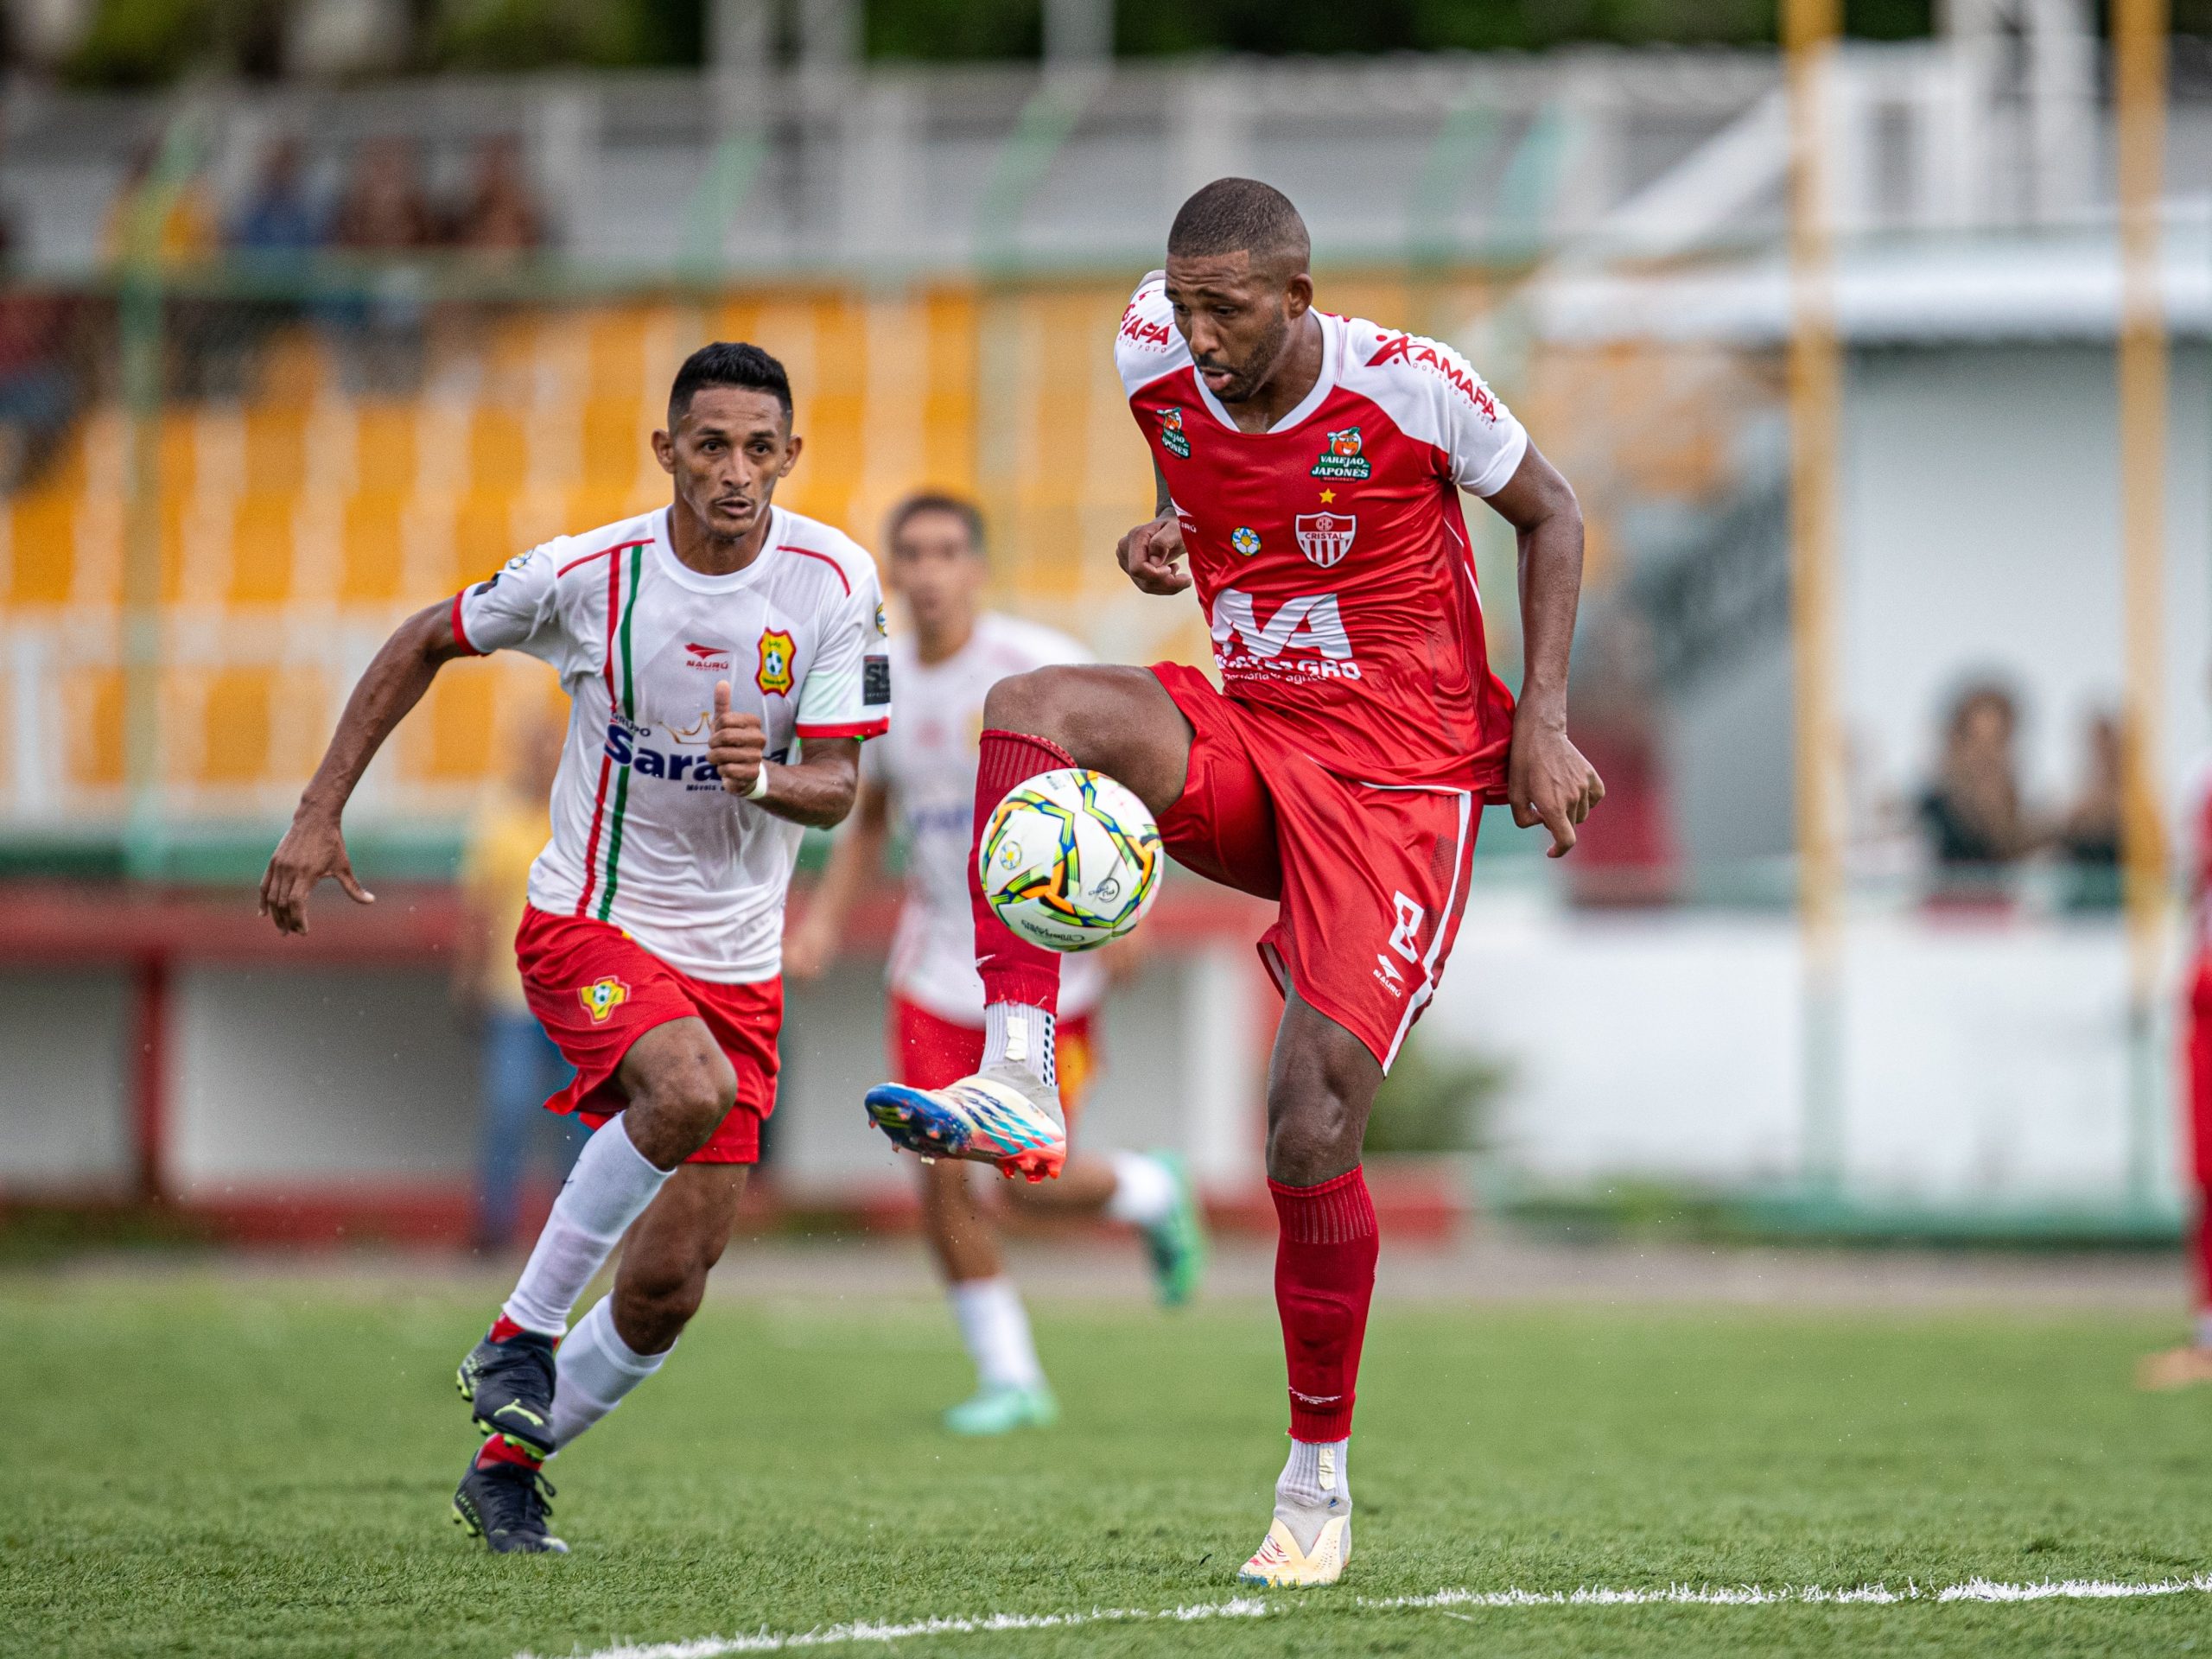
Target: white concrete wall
1982 1062
65 1124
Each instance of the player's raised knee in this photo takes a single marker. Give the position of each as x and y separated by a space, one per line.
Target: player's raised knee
683 1092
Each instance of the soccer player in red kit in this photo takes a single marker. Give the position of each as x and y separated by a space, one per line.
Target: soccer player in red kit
1310 467
2191 1364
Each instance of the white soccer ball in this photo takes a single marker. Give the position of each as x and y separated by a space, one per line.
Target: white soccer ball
1069 859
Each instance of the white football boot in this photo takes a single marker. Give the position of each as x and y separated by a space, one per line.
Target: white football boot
1003 1117
1280 1564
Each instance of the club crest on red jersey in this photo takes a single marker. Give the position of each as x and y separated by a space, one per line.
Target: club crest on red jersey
1341 457
777 650
1326 537
1172 437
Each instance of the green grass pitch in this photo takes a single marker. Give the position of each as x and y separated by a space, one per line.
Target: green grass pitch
202 1465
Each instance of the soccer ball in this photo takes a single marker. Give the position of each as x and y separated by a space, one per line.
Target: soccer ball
1069 859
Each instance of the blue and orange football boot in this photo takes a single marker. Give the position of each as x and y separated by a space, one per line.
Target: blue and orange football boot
1002 1116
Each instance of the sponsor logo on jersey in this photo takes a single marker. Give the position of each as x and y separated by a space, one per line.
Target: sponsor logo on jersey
777 651
626 747
875 682
1141 330
1340 456
1412 348
602 997
1304 639
1171 436
715 659
1326 537
1245 540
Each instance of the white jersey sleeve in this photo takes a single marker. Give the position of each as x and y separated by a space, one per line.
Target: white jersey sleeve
848 690
1148 345
1433 396
516 609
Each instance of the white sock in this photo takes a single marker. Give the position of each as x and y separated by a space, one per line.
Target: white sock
995 1328
1144 1189
594 1369
609 1187
1314 1484
1023 1034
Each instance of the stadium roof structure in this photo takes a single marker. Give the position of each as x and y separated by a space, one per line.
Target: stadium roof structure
1919 291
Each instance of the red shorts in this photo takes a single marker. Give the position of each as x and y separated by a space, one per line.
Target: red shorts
597 990
1372 880
928 1051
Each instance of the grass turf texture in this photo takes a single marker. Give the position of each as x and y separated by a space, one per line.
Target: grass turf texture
196 1467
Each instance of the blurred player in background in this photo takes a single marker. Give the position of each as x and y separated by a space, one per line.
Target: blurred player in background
1311 467
517 1066
923 773
2191 1363
698 644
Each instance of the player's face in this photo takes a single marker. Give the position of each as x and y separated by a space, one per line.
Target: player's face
1236 318
936 570
729 451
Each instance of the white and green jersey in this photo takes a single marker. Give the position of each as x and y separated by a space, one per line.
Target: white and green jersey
645 837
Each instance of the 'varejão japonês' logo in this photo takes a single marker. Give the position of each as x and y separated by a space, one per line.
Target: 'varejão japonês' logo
1340 456
1172 435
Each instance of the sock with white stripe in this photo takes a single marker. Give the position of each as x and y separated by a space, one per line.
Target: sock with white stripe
595 1369
995 1328
609 1187
1021 1034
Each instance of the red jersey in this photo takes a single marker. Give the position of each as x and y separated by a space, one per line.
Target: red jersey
1329 553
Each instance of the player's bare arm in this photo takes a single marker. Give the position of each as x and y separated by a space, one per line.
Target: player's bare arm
1548 781
314 847
1151 553
816 791
854 857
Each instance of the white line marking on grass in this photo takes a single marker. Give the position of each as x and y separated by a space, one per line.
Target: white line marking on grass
1677 1595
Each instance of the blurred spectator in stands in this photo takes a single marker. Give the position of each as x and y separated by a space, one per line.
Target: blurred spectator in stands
518 1066
2089 834
158 217
39 364
500 218
279 219
1971 814
383 211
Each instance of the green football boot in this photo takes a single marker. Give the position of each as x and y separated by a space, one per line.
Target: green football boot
999 1410
1177 1242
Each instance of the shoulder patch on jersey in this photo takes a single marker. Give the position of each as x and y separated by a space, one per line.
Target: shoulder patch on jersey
1441 361
1147 334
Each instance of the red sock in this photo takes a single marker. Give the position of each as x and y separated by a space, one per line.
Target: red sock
501 1449
502 1328
1013 969
1325 1278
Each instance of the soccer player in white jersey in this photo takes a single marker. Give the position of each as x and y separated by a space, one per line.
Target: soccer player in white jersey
922 776
701 645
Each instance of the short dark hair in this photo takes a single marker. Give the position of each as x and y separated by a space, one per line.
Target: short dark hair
1240 216
728 363
923 501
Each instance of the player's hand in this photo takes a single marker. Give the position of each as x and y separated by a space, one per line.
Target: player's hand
1149 553
738 744
314 847
1548 782
810 947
